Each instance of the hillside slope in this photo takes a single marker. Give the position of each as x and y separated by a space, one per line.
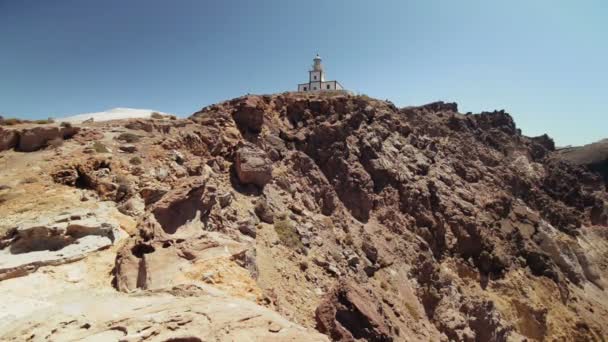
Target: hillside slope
340 213
594 156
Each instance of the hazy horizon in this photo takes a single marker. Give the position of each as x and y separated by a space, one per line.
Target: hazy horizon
544 62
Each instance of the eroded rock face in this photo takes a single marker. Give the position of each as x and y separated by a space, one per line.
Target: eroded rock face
343 213
249 114
163 264
181 315
54 241
460 189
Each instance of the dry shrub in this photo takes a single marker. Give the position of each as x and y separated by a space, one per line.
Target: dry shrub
10 122
287 233
135 161
43 121
29 180
100 148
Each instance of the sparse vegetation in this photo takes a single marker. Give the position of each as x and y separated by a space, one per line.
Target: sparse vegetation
100 148
348 239
156 115
65 124
15 121
43 121
10 122
287 233
128 137
135 161
29 180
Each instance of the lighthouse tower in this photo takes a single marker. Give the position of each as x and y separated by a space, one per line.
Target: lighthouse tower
316 79
317 73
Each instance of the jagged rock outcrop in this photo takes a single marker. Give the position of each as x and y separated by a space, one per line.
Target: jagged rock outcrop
249 114
343 213
460 189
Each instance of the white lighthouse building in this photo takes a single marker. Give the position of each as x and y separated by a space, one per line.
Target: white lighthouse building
316 79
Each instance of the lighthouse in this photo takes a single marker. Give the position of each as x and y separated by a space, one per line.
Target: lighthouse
316 79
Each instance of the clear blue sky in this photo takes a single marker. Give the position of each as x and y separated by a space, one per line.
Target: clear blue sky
545 62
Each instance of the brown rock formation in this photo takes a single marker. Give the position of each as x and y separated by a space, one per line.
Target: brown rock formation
348 215
349 314
249 114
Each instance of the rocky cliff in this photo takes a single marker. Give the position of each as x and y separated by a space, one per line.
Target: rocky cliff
310 213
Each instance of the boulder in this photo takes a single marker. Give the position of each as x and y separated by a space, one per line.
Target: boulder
128 148
151 194
348 313
248 227
264 211
137 124
185 205
253 166
225 199
33 139
9 138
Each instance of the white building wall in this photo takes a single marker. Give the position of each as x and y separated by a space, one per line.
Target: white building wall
320 86
328 85
315 86
316 76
